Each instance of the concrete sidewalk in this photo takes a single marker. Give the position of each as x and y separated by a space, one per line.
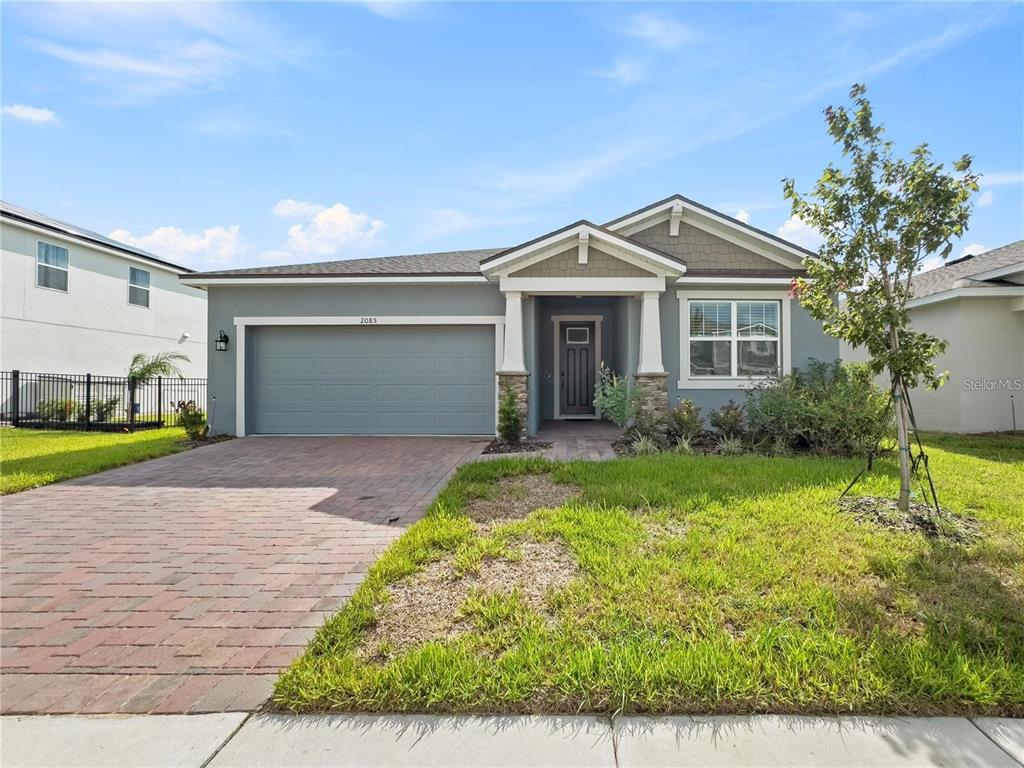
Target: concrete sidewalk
251 741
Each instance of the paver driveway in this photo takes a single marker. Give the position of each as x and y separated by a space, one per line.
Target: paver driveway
183 584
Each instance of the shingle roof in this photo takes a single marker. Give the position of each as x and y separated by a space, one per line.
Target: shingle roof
950 276
443 263
17 213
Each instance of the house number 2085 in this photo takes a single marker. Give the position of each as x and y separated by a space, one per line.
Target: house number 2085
367 320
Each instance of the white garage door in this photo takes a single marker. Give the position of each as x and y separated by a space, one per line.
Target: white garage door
379 380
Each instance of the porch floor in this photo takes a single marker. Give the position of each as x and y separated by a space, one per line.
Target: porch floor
578 439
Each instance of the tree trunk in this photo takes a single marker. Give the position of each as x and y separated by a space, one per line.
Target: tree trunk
902 438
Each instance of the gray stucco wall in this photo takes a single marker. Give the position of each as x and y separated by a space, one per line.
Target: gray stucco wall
227 302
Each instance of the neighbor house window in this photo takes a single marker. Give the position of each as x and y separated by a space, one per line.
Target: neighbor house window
734 339
52 267
138 287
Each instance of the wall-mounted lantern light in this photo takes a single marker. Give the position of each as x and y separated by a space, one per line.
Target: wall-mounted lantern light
221 342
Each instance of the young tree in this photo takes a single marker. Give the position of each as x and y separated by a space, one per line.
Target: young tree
880 216
144 369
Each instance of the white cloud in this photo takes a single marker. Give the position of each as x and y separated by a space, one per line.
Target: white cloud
213 248
986 198
1001 178
31 114
658 31
625 71
296 209
742 215
392 9
929 263
135 52
325 231
973 249
795 230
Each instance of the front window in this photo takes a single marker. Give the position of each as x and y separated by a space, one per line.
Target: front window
52 267
734 339
138 287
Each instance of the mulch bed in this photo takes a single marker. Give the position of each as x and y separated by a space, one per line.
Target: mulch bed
208 441
944 525
526 446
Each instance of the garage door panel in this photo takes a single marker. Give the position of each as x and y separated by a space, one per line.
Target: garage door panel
380 380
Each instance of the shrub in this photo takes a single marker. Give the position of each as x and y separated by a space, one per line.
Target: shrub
728 420
684 421
193 421
615 398
100 410
644 445
730 446
830 409
683 446
61 409
510 419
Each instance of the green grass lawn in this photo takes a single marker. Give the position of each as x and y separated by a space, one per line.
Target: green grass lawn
33 457
701 584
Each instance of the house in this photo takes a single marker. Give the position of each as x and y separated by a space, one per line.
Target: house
77 302
685 301
975 303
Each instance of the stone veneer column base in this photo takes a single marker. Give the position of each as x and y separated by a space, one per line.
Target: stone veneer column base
517 382
652 402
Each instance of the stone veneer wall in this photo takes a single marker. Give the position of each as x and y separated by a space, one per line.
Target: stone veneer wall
566 264
700 250
517 382
652 392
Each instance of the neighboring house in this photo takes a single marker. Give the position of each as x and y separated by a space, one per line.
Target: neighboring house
976 304
686 301
77 302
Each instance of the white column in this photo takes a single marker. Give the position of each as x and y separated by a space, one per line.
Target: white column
512 361
650 335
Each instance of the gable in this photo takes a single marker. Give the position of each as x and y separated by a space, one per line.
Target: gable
566 264
701 250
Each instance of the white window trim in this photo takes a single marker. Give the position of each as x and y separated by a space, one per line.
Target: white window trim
738 382
241 323
146 288
66 269
556 375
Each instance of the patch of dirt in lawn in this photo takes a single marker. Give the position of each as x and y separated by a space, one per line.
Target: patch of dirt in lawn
515 497
425 607
921 518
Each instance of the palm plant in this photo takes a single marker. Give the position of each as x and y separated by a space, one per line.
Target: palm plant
144 368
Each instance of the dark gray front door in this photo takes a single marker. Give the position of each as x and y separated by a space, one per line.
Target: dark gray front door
576 349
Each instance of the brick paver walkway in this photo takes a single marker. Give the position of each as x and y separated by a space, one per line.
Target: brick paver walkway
579 439
184 584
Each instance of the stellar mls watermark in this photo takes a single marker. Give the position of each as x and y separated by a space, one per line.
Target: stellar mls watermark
993 385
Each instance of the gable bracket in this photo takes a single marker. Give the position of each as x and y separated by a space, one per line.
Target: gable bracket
675 218
584 247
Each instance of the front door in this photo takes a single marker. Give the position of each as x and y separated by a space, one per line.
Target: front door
576 350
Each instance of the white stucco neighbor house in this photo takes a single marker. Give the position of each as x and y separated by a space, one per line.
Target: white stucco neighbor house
975 303
683 300
74 301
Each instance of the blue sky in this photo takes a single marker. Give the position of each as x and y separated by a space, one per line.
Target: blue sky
249 134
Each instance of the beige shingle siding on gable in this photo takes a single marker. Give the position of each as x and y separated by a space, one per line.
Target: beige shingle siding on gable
566 264
700 250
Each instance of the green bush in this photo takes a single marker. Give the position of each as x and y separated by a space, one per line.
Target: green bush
61 409
614 397
193 421
730 446
684 421
831 409
101 410
510 418
728 420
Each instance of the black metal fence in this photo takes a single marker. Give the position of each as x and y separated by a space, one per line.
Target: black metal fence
98 403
